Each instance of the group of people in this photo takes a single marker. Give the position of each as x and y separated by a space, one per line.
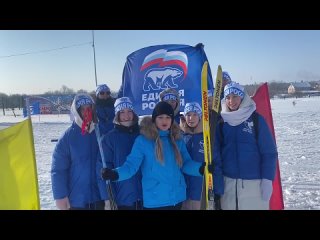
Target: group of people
159 163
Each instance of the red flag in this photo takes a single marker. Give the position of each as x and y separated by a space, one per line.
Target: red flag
262 101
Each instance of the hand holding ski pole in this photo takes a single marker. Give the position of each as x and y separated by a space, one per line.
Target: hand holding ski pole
109 174
210 168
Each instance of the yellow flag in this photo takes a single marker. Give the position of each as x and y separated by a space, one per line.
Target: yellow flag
18 171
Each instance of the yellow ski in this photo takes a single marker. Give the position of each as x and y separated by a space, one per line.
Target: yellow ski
209 125
207 183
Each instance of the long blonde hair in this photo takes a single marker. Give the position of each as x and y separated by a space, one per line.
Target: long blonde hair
150 131
159 149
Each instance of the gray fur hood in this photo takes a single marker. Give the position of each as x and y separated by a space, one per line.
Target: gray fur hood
150 131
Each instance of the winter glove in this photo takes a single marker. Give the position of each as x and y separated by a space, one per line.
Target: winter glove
266 189
107 205
63 204
217 202
109 174
210 168
201 169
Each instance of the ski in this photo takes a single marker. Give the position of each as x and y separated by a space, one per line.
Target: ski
206 136
209 126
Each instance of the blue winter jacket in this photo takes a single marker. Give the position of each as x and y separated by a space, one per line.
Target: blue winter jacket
177 118
241 155
162 184
105 114
116 146
73 171
194 143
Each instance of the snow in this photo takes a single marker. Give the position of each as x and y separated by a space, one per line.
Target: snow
45 128
297 129
296 126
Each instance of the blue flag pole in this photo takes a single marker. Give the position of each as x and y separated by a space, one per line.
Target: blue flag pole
28 108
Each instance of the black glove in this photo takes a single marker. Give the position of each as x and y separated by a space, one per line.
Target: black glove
109 174
217 202
201 169
210 168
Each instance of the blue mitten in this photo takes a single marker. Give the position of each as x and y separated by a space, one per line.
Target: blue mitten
266 189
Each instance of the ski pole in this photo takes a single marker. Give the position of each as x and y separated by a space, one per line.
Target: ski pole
113 204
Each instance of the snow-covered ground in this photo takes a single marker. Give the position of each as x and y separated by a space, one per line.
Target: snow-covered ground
297 130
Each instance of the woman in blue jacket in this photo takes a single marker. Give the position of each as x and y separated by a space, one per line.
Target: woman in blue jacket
162 156
248 158
73 170
116 146
193 137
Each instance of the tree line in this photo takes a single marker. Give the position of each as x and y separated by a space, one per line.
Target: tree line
17 100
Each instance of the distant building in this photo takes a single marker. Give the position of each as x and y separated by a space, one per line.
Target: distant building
299 87
317 85
53 104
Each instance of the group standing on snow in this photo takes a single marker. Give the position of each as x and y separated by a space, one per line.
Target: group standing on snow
159 163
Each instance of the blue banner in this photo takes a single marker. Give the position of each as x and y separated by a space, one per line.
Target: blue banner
150 70
34 109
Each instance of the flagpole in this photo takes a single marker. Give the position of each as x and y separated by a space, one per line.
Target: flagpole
94 57
28 107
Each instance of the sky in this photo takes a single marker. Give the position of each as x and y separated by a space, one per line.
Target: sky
37 61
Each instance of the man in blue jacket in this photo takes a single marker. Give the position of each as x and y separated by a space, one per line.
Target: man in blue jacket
104 108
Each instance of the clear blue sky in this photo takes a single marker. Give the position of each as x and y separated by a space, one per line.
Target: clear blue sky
249 56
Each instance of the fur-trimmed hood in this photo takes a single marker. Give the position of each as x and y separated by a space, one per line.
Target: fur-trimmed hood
150 131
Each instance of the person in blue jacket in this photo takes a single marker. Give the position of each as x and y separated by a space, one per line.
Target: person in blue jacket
248 162
116 146
171 96
225 80
104 108
193 137
192 129
163 157
73 170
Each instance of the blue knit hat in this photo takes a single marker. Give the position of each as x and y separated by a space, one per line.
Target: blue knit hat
226 77
122 103
169 96
210 92
102 88
82 99
234 88
193 107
